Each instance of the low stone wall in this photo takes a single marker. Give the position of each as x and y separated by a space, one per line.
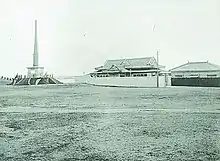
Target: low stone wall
197 82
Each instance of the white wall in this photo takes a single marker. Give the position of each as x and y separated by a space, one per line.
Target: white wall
124 81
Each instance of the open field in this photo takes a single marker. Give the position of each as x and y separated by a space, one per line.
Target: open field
73 122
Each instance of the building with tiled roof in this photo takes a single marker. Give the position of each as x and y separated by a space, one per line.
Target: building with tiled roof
129 67
196 69
136 72
203 74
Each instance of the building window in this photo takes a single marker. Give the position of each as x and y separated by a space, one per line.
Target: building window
179 76
194 75
145 75
211 75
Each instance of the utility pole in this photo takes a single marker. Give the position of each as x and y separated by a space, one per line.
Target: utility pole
158 68
158 84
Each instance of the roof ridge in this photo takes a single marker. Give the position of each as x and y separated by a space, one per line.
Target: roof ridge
130 58
197 62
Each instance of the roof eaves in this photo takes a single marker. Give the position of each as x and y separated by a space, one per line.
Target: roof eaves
198 62
215 65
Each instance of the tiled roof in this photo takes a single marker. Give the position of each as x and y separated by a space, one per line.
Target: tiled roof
136 62
197 66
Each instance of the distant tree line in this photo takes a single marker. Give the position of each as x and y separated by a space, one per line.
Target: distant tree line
6 78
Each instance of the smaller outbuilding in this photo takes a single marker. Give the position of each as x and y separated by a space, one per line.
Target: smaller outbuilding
196 74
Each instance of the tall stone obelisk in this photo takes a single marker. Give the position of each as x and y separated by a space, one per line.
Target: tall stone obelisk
35 55
35 71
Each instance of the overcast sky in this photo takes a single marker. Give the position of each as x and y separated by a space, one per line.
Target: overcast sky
185 30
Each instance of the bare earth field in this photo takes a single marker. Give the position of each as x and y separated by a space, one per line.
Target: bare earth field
75 122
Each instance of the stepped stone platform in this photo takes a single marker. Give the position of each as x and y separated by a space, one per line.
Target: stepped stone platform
34 81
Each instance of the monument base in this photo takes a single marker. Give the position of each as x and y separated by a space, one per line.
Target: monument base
35 76
35 81
35 72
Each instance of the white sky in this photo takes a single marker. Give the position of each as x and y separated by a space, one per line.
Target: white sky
185 30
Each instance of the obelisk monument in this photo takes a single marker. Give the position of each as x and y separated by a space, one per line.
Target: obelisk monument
35 71
35 74
35 55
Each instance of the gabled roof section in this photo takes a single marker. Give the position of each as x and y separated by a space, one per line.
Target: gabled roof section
135 62
118 68
196 66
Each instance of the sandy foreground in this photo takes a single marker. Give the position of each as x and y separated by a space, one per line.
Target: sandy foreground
72 122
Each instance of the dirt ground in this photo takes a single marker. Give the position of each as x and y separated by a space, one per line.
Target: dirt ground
66 123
